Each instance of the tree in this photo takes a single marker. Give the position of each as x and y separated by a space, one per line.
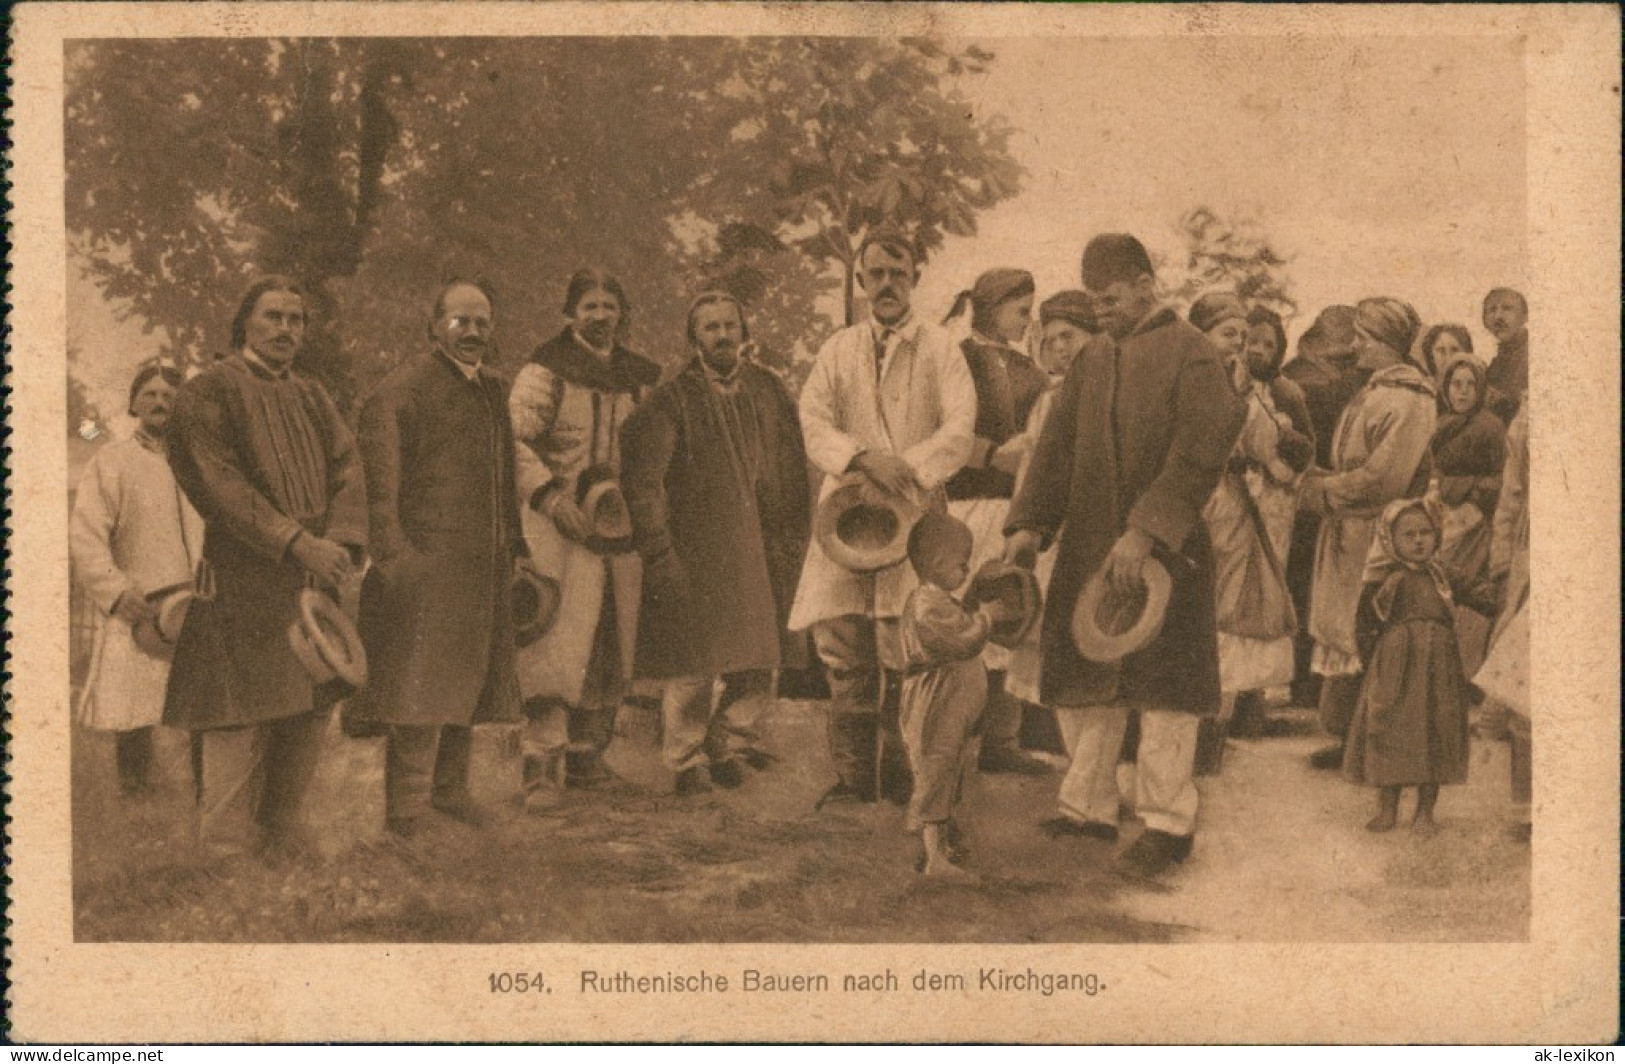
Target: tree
374 169
1232 255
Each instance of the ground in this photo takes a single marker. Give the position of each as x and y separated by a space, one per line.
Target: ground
1281 855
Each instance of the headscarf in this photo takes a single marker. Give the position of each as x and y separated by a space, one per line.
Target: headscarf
1215 307
1266 316
1331 338
1392 323
1072 306
1452 424
992 288
1383 565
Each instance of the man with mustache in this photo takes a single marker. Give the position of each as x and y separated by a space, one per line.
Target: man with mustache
263 454
132 536
445 535
1132 450
1506 316
890 398
715 475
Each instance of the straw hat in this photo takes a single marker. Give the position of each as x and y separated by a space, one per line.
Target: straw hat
1017 588
535 603
159 635
862 528
599 496
1107 626
326 643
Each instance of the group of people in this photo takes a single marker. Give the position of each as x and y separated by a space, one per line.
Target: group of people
1136 445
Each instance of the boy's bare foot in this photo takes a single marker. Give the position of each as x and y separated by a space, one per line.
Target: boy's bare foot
1425 825
1383 821
938 867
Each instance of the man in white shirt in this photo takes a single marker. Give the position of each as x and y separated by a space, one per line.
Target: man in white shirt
891 398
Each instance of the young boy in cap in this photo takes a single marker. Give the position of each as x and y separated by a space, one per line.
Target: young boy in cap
944 684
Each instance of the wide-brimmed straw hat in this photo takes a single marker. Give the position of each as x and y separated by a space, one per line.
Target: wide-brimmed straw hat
159 635
1014 586
535 603
1107 626
326 643
598 494
863 528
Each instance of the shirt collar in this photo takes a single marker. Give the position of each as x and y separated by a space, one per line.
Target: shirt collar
255 361
904 328
470 373
151 443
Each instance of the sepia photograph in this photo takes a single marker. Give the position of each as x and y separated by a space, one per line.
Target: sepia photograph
618 496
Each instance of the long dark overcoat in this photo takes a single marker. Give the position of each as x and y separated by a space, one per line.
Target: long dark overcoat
721 564
1138 436
435 615
263 458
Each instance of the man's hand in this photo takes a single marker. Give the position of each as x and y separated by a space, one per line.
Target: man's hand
887 472
568 517
1021 548
132 608
1124 562
324 559
1007 456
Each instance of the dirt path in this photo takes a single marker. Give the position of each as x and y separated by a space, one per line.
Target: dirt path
1282 855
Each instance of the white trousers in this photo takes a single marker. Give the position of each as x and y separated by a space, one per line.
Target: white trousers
1165 792
700 726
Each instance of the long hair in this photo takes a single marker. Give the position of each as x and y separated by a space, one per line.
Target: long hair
590 278
1431 337
275 282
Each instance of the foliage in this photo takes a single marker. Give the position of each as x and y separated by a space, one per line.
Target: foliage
375 169
1232 254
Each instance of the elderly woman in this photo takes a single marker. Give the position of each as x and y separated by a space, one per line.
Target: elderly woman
567 407
1249 517
1379 454
1008 385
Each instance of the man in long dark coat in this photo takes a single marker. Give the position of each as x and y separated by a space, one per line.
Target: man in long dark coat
714 471
1133 448
435 617
265 458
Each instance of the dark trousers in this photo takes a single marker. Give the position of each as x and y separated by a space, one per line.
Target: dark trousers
255 779
1522 760
423 762
132 751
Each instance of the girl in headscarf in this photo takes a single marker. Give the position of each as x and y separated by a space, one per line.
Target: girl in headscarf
1469 449
1008 385
1249 519
1410 726
1379 453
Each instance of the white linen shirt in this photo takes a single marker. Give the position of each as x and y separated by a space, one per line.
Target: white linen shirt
923 409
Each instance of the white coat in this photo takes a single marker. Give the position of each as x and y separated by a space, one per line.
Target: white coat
923 409
132 532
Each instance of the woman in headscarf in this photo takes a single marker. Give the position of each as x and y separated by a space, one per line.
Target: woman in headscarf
1008 385
1469 449
1249 517
1379 453
1441 345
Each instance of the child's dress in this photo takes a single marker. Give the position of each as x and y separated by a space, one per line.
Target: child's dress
944 693
1410 726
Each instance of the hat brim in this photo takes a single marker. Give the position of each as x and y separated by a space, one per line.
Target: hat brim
535 602
998 580
1103 647
611 532
858 502
326 643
